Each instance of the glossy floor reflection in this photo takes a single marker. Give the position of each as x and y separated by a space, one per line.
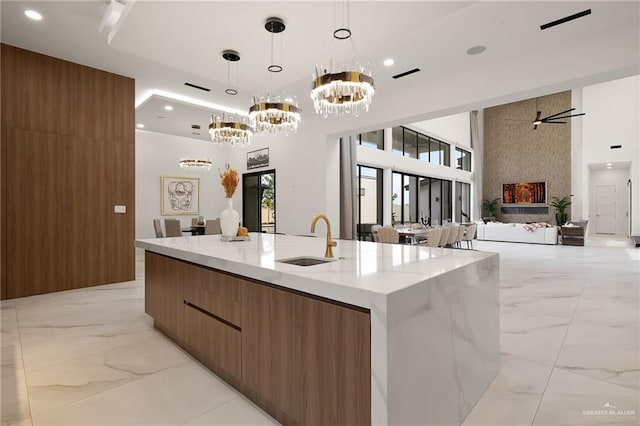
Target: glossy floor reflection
569 347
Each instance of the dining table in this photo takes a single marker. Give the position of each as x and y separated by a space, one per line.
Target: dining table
413 236
195 229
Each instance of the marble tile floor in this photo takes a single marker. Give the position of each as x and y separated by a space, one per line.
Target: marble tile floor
570 326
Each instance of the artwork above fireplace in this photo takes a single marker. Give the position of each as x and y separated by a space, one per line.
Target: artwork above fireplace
524 193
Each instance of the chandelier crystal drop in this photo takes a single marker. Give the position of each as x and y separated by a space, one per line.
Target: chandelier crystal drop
230 132
186 163
273 114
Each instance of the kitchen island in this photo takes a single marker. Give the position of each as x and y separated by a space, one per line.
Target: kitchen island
384 334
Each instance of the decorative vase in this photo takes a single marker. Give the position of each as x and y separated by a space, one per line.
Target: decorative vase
229 220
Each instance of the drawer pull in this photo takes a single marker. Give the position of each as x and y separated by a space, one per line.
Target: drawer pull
209 314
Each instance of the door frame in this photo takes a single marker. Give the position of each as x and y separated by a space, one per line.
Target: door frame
260 173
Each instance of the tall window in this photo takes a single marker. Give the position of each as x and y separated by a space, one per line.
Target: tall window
369 199
398 144
463 159
420 199
463 193
374 139
409 143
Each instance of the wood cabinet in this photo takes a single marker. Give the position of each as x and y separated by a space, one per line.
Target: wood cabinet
572 236
213 343
331 377
163 299
304 360
266 349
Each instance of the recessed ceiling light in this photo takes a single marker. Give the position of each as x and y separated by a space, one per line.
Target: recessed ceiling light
32 14
475 50
608 167
609 164
168 107
388 62
140 126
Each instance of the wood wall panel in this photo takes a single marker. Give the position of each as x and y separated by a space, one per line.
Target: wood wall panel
35 213
72 126
38 91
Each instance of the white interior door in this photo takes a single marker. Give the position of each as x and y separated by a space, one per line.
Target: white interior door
605 209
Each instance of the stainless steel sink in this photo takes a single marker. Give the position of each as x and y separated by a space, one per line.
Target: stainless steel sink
306 261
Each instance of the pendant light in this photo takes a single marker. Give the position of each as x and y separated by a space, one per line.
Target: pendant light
230 130
271 113
342 89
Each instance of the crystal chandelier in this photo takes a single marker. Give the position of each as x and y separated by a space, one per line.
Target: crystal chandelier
274 113
342 89
186 163
230 132
271 114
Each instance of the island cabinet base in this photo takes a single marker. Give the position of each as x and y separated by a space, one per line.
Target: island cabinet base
304 360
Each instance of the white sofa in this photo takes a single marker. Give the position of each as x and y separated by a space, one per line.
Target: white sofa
515 233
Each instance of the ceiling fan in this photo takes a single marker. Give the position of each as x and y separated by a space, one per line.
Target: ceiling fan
549 119
553 118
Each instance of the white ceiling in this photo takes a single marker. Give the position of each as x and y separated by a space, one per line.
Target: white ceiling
163 44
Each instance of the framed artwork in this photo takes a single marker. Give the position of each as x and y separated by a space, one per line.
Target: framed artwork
180 195
257 159
524 193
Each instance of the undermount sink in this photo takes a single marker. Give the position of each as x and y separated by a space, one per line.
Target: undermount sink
306 261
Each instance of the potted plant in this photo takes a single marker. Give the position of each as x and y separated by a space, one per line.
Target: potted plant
490 209
561 205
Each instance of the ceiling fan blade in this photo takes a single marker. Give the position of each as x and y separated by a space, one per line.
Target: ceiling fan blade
565 116
538 114
535 126
553 122
558 113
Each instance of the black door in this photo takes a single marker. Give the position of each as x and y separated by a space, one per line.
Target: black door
259 201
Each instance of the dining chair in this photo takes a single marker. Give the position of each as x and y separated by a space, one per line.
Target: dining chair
433 238
444 236
388 235
194 221
157 226
172 226
470 235
453 234
374 232
212 227
458 242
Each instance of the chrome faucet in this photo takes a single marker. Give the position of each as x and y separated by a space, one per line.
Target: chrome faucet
330 243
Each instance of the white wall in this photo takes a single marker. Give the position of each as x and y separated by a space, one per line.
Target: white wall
612 118
303 176
157 155
452 129
618 178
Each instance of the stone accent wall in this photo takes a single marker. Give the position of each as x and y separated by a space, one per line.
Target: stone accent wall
514 152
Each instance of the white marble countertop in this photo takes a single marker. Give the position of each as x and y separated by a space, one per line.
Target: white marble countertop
362 269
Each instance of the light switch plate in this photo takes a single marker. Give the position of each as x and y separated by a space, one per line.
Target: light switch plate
120 209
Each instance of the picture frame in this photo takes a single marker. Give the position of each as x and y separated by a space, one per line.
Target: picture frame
258 158
524 193
180 195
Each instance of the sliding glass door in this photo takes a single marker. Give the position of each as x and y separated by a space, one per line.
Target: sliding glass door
420 199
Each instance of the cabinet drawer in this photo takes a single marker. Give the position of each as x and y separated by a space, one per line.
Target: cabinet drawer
214 292
213 343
